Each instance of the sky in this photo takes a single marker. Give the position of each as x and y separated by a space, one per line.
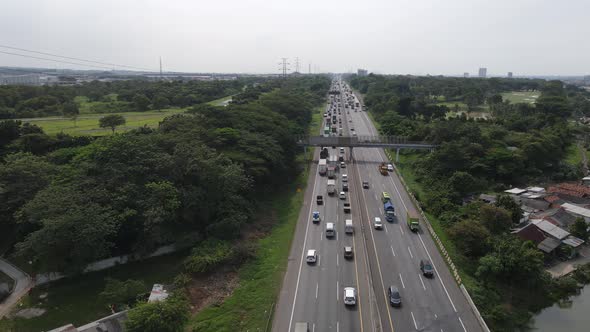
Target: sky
448 37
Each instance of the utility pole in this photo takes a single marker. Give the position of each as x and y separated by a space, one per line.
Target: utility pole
309 68
161 78
297 65
284 67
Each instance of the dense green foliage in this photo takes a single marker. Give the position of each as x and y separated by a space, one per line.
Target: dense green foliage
513 145
111 121
108 97
164 316
119 292
195 177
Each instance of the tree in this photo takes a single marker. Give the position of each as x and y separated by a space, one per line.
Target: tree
112 121
463 183
471 237
507 203
160 102
169 315
122 292
70 110
495 219
141 102
580 229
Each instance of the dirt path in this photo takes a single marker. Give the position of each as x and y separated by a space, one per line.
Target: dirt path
22 285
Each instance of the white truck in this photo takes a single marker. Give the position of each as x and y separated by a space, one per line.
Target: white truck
331 187
348 227
322 166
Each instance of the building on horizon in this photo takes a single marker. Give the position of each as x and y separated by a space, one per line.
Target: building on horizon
28 79
509 74
465 75
483 72
361 72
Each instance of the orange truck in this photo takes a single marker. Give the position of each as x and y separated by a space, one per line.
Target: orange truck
383 169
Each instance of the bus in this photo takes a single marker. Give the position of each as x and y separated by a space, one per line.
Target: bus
326 131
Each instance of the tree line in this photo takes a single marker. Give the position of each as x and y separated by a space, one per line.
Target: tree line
514 145
74 200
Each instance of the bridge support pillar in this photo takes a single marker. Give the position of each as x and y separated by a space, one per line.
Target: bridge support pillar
397 155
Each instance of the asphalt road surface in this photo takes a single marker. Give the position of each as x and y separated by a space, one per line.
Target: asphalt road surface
391 256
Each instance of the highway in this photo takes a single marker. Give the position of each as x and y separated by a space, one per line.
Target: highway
314 293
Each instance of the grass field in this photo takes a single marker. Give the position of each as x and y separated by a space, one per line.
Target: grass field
76 300
87 124
521 96
249 308
220 102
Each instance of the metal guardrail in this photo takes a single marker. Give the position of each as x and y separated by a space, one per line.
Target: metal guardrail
442 250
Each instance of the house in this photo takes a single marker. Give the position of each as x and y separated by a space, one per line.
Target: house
535 204
578 211
531 233
515 191
571 189
550 229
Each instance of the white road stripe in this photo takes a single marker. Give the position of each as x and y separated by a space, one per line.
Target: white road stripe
317 286
410 251
337 260
460 321
337 326
337 291
313 327
393 252
439 277
414 319
421 280
401 228
385 226
402 280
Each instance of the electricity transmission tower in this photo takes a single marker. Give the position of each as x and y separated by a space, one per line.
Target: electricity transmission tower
297 65
284 67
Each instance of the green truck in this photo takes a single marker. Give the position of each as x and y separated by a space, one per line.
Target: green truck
412 220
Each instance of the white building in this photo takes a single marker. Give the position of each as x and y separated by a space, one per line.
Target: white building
483 72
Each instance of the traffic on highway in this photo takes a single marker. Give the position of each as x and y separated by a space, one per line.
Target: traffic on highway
360 260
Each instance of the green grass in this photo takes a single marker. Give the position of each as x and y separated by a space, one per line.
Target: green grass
521 96
220 101
573 155
249 307
88 124
76 300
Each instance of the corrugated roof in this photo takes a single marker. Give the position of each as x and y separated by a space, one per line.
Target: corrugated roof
573 241
551 229
537 190
548 245
530 232
576 210
515 191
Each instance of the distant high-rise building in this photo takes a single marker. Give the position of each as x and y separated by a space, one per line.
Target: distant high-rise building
465 75
509 74
483 72
361 72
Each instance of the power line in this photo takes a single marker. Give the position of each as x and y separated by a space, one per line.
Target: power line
76 59
61 61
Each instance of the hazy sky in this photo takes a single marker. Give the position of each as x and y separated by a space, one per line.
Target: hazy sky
384 36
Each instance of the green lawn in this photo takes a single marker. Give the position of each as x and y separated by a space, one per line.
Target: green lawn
249 307
521 96
220 101
87 124
76 300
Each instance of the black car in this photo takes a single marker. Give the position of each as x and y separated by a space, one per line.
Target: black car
426 268
345 186
366 184
348 253
395 298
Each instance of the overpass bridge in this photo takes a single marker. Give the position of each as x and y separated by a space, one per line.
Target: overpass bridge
388 142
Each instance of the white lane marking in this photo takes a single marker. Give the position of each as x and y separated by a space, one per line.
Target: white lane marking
337 326
376 197
401 228
441 330
321 236
460 321
337 260
313 327
319 260
337 291
414 319
402 280
336 217
422 281
435 316
410 251
439 276
392 251
302 254
317 286
385 226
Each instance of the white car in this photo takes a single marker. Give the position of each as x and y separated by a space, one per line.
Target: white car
312 256
390 167
344 177
349 296
341 150
342 195
378 224
342 164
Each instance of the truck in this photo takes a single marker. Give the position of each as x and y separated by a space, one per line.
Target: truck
322 166
383 169
347 207
412 220
331 172
389 211
331 187
326 131
324 154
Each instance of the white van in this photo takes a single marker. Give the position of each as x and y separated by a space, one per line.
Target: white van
330 230
348 228
344 177
349 296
